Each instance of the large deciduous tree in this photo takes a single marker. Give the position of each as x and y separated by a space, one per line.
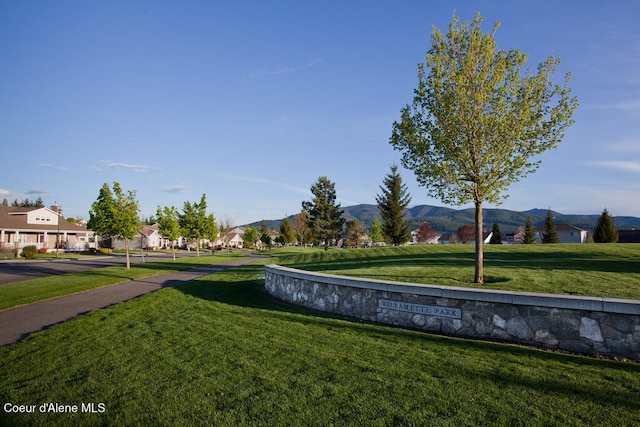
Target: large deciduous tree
325 215
115 215
392 204
478 119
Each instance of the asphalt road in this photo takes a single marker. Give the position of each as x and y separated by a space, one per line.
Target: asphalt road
19 270
18 322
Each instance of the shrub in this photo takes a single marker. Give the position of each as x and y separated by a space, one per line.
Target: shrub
29 252
43 250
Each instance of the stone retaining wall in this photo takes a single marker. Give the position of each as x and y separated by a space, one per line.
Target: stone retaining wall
586 325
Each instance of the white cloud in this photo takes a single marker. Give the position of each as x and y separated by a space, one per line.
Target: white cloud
285 185
51 165
38 192
109 165
629 145
4 192
176 189
284 70
631 106
621 165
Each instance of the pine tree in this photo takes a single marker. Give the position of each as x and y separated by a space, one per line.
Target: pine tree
529 232
376 231
325 215
287 234
550 234
392 204
496 237
605 231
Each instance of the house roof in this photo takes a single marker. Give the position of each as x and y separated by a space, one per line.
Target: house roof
562 228
149 230
16 219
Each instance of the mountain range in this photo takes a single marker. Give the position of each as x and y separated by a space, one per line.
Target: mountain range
445 219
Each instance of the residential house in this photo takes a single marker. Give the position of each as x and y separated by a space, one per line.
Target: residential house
231 239
566 232
447 238
149 237
433 241
629 236
43 228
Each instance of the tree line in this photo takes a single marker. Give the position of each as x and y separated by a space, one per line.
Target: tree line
115 215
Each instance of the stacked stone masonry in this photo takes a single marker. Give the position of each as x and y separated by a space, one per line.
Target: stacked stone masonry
604 326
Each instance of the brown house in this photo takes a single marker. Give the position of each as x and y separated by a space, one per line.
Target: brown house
41 227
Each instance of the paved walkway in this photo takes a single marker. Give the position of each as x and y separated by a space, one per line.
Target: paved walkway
16 323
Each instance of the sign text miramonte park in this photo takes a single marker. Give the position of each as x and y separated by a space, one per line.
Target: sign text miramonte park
428 310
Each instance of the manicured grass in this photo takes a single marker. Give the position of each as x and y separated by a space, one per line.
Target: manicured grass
218 351
600 270
28 291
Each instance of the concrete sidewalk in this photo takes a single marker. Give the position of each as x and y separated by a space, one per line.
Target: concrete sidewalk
16 323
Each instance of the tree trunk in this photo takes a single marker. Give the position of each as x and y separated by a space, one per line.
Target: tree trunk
479 273
126 249
173 250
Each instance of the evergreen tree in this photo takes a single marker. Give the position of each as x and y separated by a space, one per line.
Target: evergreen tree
392 204
266 240
287 234
325 215
496 237
605 231
376 231
550 234
529 232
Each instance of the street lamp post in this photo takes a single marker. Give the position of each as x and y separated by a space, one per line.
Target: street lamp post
58 233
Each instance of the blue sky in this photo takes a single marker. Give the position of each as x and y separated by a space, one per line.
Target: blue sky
250 102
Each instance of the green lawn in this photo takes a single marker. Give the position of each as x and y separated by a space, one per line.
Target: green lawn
218 351
600 270
28 291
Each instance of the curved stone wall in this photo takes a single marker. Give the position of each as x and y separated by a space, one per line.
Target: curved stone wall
586 325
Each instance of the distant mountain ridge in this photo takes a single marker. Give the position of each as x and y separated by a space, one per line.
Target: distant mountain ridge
445 219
